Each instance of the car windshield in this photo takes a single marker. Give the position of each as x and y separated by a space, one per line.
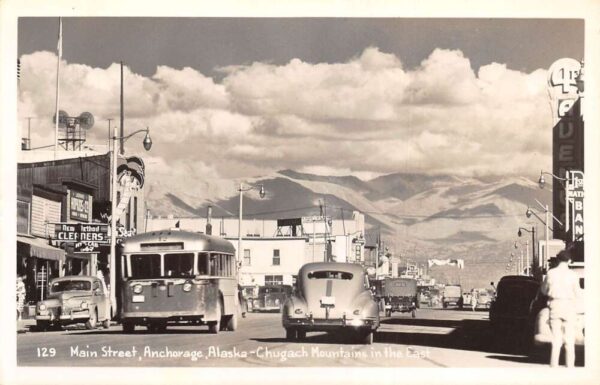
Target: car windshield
268 290
330 274
61 286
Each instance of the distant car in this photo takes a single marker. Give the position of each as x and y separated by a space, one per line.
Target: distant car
510 310
331 297
481 299
74 299
400 295
452 296
271 298
423 296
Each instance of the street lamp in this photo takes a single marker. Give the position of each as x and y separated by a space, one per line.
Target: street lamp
532 231
147 142
547 229
241 189
523 267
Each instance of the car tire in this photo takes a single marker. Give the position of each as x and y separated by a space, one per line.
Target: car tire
367 337
301 335
388 313
42 326
106 324
92 322
128 327
290 334
444 305
414 313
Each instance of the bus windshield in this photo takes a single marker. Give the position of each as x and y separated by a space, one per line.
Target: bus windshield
179 265
145 266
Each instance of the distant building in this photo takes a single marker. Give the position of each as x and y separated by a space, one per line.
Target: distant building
275 249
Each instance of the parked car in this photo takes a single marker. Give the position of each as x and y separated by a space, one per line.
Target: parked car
452 296
271 298
481 299
331 297
74 299
400 295
510 310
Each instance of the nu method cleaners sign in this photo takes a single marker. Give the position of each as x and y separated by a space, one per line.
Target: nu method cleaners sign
81 232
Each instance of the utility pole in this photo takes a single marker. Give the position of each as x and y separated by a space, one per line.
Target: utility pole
109 132
122 128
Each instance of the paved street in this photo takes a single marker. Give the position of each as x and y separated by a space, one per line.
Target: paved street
436 338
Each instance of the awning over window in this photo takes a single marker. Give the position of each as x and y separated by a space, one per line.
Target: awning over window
38 247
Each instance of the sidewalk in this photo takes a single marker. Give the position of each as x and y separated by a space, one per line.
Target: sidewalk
23 325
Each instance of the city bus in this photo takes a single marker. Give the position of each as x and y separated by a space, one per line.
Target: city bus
174 276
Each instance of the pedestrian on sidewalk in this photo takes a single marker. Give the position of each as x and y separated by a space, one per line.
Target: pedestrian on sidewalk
561 285
20 297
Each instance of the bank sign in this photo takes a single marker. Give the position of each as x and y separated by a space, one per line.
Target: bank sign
81 232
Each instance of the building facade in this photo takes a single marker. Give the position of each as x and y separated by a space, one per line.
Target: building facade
57 198
273 250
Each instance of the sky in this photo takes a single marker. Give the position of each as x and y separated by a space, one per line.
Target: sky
235 98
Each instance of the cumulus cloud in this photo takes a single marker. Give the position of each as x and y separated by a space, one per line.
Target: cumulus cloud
367 115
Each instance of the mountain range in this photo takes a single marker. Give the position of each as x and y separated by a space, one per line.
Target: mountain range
418 216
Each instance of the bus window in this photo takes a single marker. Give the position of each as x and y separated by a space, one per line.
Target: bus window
203 263
179 265
145 266
212 264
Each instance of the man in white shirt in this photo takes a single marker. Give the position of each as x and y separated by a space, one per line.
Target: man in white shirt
561 285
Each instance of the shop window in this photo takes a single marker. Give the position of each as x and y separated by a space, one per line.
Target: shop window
273 280
247 259
23 217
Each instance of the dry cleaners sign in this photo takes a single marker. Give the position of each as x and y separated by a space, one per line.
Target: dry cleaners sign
81 232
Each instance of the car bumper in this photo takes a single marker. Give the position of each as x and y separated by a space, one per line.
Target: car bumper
317 324
78 316
266 308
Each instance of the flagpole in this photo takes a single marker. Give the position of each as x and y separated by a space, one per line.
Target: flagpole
58 57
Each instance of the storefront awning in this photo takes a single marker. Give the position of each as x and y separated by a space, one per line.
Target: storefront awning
40 248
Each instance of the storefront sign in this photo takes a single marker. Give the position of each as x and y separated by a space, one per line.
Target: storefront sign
86 247
575 198
567 134
80 206
81 232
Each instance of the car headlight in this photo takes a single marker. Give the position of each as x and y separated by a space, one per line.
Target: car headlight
356 312
298 311
255 302
84 305
42 306
137 289
187 286
277 301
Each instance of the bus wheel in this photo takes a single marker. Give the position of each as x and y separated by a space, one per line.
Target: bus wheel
128 327
290 334
232 323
